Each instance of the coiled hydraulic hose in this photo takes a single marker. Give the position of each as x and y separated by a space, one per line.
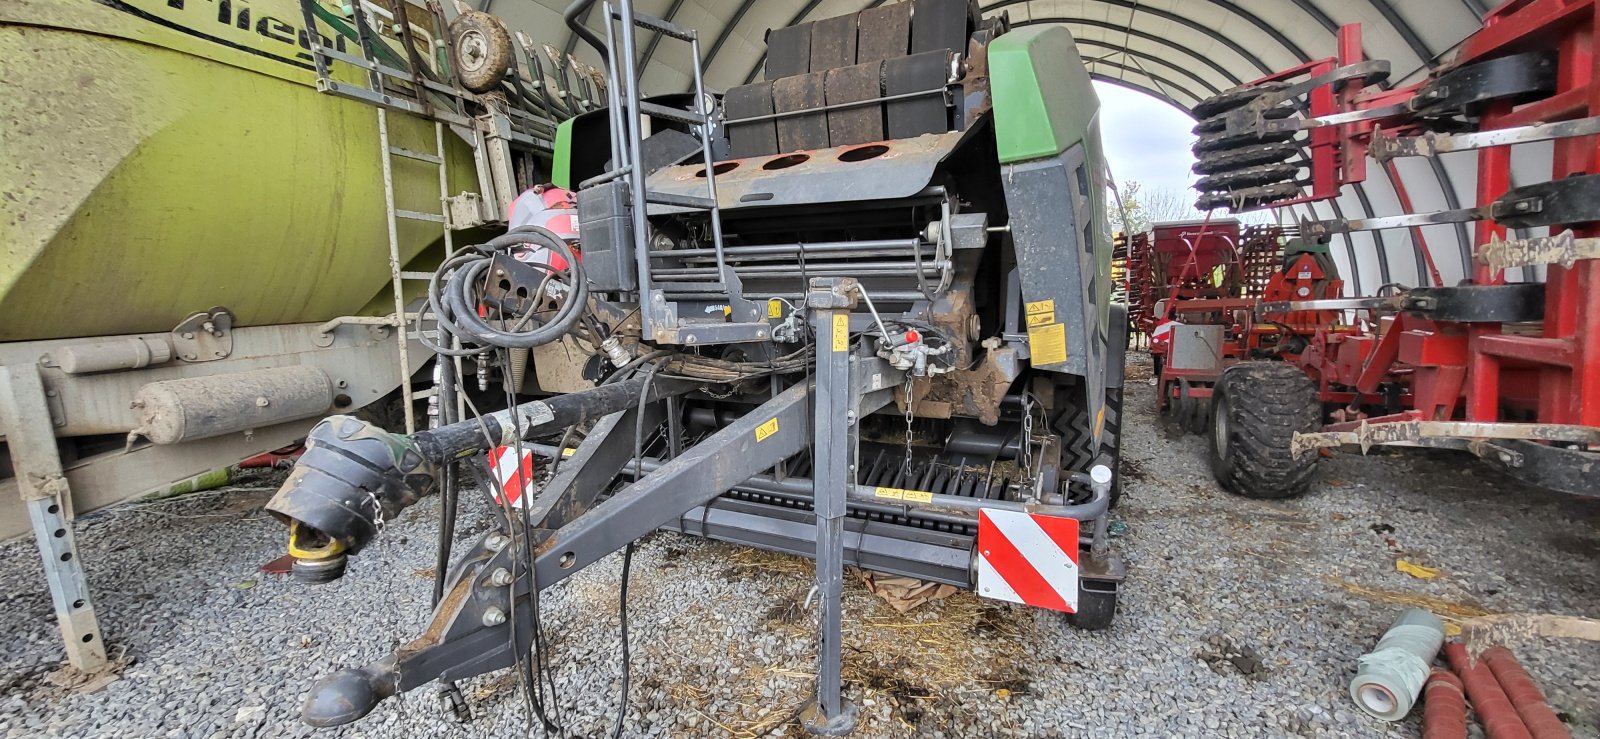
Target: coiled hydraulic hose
454 304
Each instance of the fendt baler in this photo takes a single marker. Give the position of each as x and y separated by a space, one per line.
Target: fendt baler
858 311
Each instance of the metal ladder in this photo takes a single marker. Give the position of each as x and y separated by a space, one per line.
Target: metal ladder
397 277
657 313
378 94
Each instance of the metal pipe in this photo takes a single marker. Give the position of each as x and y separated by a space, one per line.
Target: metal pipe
846 268
853 247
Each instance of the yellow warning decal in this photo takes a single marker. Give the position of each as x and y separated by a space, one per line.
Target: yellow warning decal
841 331
766 429
1040 319
1041 306
915 496
774 308
1048 344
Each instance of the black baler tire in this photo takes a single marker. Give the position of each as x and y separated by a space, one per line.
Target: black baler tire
1260 406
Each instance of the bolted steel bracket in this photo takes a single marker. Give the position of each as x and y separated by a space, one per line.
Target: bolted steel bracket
204 337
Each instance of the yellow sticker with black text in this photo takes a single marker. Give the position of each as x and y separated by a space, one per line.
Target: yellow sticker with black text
841 331
1041 306
1040 319
774 308
1048 344
766 429
915 496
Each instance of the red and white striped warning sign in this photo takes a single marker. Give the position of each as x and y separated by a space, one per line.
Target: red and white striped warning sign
516 478
1028 559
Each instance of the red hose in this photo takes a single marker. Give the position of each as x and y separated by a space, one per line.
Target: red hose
1524 694
1444 707
1499 718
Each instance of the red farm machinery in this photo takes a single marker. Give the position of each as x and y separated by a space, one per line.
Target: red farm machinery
1258 342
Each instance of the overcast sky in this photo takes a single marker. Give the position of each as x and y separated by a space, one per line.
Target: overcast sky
1146 140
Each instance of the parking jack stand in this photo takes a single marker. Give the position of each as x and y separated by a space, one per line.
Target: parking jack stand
25 420
830 301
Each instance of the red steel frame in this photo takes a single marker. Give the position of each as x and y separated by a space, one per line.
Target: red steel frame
1473 372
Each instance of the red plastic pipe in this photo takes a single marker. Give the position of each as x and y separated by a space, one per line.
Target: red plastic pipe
1499 718
1444 707
1524 694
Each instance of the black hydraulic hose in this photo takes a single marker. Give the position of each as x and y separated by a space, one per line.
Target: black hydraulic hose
574 18
455 304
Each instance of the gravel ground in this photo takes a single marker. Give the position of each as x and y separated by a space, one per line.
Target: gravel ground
1240 618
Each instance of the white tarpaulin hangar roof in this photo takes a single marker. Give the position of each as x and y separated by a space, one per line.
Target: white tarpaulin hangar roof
1180 51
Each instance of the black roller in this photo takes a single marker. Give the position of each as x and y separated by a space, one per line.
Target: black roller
1244 156
1249 198
1229 99
1224 140
758 138
1220 121
1265 174
788 51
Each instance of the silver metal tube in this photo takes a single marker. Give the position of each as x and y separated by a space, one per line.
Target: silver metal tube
845 268
850 247
641 225
616 113
700 105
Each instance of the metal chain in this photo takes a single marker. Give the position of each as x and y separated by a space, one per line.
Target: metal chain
905 465
1025 445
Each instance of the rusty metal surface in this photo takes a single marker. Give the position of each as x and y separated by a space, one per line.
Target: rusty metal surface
1367 435
1564 249
862 123
905 168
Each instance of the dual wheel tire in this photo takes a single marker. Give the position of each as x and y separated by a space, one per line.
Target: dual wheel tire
1257 408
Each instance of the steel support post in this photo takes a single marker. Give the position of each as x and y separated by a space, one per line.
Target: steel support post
30 435
834 430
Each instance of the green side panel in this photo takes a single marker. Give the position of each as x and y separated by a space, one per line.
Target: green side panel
188 162
1043 99
561 167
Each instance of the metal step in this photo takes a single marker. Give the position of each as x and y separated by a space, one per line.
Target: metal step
680 201
413 215
663 26
672 114
691 288
417 155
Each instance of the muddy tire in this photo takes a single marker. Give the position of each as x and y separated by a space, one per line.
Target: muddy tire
1256 410
483 50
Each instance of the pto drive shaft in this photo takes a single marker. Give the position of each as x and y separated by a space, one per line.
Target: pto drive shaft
354 475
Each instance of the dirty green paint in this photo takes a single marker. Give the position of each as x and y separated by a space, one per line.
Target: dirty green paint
561 168
177 172
1044 101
